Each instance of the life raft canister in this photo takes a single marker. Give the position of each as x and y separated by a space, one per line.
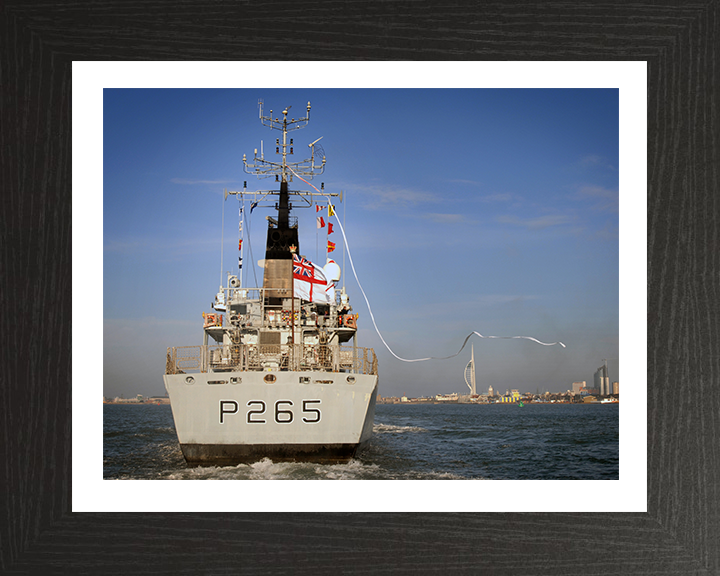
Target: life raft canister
212 320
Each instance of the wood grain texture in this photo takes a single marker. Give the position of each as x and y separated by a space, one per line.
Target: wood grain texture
680 533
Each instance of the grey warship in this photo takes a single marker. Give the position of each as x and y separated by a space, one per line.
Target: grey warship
279 374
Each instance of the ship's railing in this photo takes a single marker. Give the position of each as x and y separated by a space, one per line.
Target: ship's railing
246 357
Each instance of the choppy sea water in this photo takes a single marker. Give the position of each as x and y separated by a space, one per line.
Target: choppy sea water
410 442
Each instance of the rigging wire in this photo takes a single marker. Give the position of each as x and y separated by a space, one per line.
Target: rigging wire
241 233
249 235
372 317
222 238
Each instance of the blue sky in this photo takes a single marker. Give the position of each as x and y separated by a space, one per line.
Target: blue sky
469 209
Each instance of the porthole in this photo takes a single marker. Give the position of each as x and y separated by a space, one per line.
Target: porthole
351 379
190 380
270 378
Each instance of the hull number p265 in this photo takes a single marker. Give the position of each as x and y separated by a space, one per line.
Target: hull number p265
282 412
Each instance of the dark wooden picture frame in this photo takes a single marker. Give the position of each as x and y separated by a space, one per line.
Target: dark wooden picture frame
39 534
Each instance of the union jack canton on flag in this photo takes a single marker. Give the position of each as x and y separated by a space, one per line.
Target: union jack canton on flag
302 268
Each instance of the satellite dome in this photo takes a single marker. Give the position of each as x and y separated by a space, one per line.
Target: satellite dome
332 271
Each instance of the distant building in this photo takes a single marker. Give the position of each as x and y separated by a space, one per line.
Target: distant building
616 388
121 400
513 396
577 386
491 392
602 382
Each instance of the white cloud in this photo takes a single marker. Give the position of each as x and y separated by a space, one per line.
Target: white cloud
595 160
537 223
188 181
124 247
470 182
380 197
606 200
499 197
446 218
497 299
165 247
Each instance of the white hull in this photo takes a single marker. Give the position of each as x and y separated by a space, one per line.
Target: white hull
240 417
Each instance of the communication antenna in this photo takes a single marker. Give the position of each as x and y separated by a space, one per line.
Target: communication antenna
283 168
284 147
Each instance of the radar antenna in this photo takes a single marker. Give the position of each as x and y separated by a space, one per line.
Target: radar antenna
283 170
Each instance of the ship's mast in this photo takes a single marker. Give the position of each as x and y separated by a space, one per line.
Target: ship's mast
283 170
282 236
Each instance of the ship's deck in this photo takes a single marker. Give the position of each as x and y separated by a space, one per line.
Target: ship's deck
295 357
